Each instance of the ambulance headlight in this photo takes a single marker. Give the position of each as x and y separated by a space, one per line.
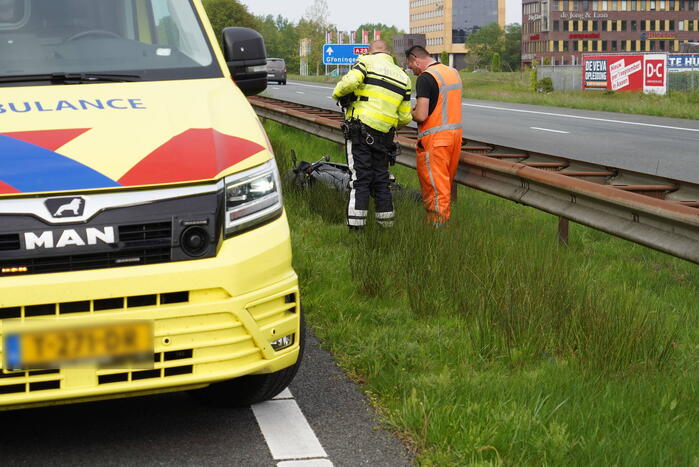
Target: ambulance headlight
253 197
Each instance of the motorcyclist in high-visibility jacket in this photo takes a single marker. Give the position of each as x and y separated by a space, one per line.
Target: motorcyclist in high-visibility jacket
376 96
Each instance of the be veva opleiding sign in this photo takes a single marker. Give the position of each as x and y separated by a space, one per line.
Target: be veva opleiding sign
642 72
343 54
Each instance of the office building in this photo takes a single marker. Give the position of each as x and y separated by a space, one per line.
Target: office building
402 42
447 23
559 32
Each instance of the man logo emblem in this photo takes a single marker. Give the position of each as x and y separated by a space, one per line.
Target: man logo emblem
65 207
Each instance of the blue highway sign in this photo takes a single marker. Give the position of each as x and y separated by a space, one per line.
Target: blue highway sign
343 54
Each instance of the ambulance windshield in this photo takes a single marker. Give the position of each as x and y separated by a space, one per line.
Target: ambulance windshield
143 39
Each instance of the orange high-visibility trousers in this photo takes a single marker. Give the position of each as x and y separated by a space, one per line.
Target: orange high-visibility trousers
437 161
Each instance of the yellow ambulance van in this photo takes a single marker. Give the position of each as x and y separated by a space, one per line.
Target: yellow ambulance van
144 246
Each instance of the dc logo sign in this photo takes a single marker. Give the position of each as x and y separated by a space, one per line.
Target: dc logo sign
655 69
654 74
65 207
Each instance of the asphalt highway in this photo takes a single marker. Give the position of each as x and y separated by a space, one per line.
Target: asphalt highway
173 429
652 145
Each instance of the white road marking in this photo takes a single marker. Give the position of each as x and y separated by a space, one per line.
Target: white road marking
306 463
329 97
312 85
288 435
300 92
551 114
580 117
285 394
548 129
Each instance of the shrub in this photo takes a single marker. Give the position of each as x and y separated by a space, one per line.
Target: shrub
544 85
533 76
496 64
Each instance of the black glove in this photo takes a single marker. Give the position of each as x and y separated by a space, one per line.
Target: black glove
345 101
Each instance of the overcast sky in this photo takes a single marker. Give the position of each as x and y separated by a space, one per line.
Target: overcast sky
348 14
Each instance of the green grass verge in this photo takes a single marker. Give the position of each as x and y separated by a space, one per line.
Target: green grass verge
514 87
485 343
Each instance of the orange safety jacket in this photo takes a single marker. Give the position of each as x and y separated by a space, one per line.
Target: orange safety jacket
447 113
439 145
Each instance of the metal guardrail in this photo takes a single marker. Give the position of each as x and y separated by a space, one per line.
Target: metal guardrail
657 212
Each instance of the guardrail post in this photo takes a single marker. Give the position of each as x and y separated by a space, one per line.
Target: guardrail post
563 231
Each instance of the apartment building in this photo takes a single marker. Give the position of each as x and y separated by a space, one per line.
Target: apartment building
559 32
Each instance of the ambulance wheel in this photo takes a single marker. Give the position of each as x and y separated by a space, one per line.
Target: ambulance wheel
251 389
284 82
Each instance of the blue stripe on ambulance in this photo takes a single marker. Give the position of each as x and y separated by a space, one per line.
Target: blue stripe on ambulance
30 168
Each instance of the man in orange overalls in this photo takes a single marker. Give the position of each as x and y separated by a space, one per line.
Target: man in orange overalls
438 115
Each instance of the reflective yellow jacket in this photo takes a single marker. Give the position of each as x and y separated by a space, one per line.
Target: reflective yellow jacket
382 89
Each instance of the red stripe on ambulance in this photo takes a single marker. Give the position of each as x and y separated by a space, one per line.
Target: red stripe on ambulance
196 154
6 189
48 139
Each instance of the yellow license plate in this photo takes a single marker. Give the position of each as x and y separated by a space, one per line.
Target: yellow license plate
103 344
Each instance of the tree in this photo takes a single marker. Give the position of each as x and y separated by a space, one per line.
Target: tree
281 39
313 26
483 43
444 57
496 65
225 13
387 33
318 13
512 54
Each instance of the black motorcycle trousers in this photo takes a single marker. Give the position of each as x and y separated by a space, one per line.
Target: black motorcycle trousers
368 154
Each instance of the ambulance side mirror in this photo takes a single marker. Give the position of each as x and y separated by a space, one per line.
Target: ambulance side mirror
244 50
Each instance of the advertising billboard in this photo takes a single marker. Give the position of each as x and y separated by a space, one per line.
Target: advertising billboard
683 62
642 72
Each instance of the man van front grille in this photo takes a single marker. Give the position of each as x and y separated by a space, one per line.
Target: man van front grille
209 344
137 233
9 242
131 236
188 349
131 230
86 306
138 244
14 382
121 258
136 375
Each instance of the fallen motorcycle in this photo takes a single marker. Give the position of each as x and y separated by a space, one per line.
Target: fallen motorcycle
336 176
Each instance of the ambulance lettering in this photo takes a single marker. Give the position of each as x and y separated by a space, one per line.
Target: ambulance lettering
79 105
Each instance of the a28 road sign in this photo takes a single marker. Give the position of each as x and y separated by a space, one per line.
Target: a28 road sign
343 54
